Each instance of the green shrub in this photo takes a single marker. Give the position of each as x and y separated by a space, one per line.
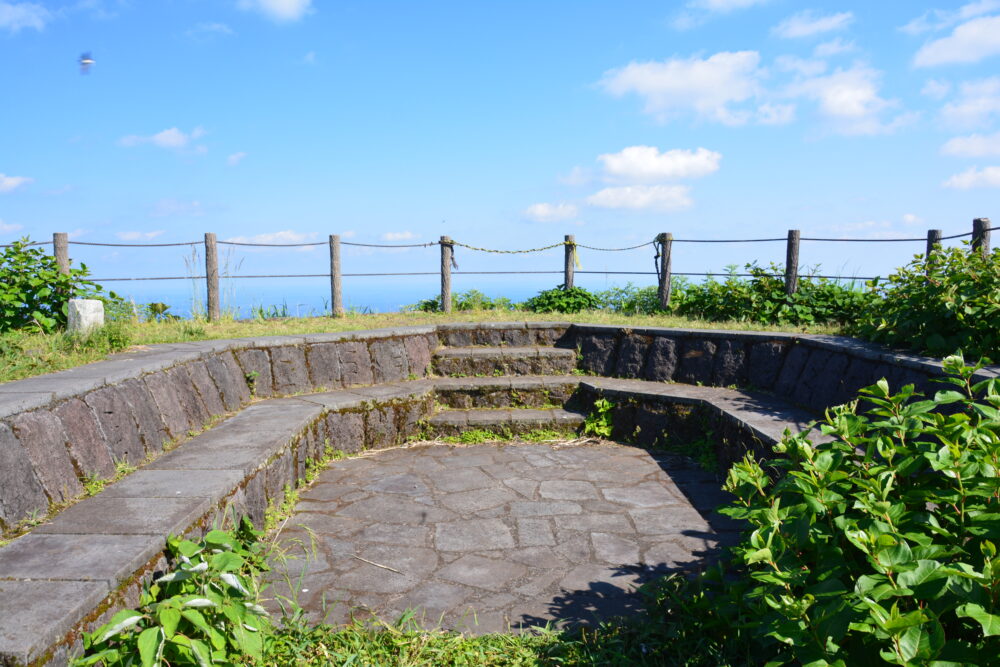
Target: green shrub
203 612
562 300
471 300
880 543
762 299
33 293
631 300
953 305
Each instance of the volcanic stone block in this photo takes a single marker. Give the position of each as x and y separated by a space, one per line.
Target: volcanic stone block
516 337
115 417
380 428
255 498
346 431
860 373
821 378
86 439
280 473
488 336
20 491
230 380
791 370
324 365
661 362
598 354
697 359
256 367
167 390
355 363
632 355
147 417
208 393
418 354
43 438
457 337
765 363
288 367
389 360
730 364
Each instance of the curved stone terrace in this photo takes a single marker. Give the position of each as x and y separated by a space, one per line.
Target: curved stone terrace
508 535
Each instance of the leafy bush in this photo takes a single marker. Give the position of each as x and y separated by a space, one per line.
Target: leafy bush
632 300
203 612
471 300
954 304
880 542
762 299
33 293
562 300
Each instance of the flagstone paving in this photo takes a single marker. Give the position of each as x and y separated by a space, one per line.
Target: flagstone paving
491 537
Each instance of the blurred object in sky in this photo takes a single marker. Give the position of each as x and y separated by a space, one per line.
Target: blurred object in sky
86 61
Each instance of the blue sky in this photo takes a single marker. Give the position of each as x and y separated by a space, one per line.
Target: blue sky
500 124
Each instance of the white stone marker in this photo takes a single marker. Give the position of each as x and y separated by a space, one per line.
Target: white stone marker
85 315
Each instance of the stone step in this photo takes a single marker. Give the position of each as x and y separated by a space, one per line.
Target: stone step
506 392
503 421
499 361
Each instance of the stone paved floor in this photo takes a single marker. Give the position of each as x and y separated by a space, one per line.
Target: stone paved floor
493 537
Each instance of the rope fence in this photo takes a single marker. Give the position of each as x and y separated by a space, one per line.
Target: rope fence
662 245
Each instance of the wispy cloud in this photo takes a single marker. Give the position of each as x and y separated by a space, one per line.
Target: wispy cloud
399 236
706 87
974 177
977 104
11 183
834 47
809 23
174 208
939 19
309 58
970 42
974 145
139 236
278 238
16 16
280 11
235 158
646 164
204 30
850 99
171 138
6 227
643 197
544 212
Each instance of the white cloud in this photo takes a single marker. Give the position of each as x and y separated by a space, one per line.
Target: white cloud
800 66
775 114
235 158
939 19
576 176
9 227
646 164
208 29
987 177
15 16
706 87
935 89
173 208
652 197
171 138
968 43
974 145
912 219
808 23
724 6
11 183
309 58
399 236
977 103
850 98
139 236
550 212
284 236
281 11
834 47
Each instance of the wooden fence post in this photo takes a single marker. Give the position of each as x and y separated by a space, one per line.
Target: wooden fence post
981 236
446 251
933 240
60 248
336 295
666 241
212 277
792 262
568 267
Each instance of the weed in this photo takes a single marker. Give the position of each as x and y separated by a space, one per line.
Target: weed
598 422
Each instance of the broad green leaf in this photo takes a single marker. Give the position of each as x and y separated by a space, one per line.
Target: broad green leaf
989 622
120 622
168 618
149 643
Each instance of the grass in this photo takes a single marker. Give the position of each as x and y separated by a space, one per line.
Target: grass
26 354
